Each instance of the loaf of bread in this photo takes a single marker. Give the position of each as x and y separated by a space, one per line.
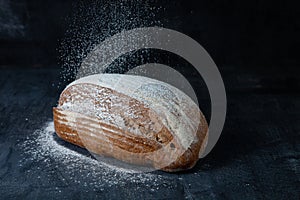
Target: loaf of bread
134 119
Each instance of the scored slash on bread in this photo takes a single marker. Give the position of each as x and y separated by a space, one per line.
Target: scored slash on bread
149 123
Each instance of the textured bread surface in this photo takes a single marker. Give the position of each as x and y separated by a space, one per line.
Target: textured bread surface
134 119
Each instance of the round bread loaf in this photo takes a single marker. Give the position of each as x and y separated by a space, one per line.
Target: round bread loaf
134 119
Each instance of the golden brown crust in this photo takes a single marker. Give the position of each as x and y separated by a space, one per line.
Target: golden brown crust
156 146
190 157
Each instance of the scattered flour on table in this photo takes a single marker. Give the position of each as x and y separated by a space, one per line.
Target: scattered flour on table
76 167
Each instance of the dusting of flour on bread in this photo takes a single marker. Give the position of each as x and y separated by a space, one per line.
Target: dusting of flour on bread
178 111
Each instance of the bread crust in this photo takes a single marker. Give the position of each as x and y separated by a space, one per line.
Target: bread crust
149 144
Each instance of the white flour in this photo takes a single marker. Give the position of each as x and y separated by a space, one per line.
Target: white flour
181 115
78 168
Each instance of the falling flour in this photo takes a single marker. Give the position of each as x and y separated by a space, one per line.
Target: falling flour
44 148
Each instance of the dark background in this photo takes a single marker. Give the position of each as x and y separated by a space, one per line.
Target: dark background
255 45
244 33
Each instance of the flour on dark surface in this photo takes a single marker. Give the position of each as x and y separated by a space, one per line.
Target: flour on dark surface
44 149
80 167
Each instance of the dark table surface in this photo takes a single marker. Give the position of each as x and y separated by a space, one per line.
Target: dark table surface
257 156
